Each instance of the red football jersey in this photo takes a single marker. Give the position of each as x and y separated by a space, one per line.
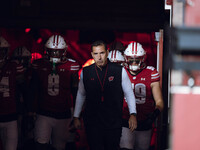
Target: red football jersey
8 77
55 84
141 84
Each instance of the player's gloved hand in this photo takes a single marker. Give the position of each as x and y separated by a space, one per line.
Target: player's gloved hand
147 124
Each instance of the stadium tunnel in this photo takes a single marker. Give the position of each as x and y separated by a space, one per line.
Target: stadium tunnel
31 22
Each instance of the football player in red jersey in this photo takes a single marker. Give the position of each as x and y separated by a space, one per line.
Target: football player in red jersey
22 55
57 79
10 72
149 102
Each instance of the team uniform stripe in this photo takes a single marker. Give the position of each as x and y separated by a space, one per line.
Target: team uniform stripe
115 55
155 74
74 68
155 77
112 55
54 39
19 67
77 67
57 40
135 47
21 70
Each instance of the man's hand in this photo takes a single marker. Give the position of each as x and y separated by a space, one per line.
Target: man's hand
132 122
77 123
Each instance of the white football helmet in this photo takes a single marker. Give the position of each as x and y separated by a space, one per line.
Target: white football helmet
116 57
23 55
56 48
4 49
21 52
134 56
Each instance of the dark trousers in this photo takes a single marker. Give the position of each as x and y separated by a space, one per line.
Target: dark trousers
103 139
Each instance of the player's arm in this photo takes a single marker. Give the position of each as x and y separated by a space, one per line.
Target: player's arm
157 94
80 99
130 98
159 104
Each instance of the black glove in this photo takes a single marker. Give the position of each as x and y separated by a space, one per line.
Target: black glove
154 115
147 124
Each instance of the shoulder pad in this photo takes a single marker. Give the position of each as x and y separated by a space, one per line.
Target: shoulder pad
150 68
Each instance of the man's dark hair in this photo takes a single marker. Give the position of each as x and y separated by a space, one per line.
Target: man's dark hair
98 43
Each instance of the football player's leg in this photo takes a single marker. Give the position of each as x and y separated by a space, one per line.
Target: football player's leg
60 133
71 141
43 128
127 139
11 135
143 140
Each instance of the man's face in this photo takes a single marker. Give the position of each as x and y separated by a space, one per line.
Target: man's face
99 53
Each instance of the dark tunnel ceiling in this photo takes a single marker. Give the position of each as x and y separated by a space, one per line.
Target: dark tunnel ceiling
130 15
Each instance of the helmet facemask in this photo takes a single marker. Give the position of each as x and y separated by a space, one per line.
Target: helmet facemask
56 48
134 63
56 55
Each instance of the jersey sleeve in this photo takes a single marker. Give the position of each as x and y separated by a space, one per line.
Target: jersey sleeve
35 64
74 67
128 92
20 69
155 76
80 98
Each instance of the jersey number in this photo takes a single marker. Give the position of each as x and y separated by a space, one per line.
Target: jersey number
53 85
140 93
